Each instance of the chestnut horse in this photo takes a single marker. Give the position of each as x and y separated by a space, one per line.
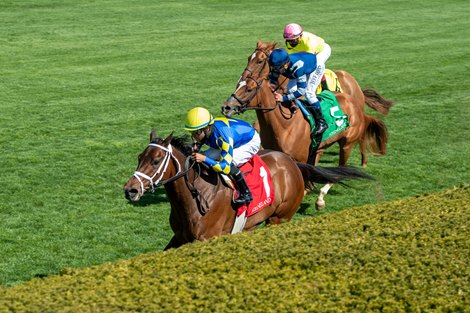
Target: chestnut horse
282 130
201 203
258 67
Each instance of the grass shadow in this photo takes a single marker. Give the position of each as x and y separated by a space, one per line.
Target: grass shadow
303 209
149 198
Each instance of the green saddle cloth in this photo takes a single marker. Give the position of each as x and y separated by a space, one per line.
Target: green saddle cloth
336 120
334 117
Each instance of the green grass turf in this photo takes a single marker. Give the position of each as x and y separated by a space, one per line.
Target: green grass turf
83 82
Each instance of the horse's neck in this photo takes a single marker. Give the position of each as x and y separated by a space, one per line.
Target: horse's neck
280 129
276 119
191 195
178 190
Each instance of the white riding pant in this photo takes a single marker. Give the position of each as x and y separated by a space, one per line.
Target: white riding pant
323 56
314 79
242 154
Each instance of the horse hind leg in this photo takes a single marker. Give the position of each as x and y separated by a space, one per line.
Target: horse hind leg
285 211
318 155
344 153
363 149
320 203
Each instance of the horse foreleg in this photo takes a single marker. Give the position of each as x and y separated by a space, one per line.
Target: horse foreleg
318 156
344 153
362 148
174 243
320 204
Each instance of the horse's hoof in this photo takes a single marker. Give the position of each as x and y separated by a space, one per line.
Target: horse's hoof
320 205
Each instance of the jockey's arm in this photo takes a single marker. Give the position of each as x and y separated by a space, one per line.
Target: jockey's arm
312 43
226 157
300 91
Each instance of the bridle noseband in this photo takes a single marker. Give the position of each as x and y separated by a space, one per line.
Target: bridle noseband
160 170
245 102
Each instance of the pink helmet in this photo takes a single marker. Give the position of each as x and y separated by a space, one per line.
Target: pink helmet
292 31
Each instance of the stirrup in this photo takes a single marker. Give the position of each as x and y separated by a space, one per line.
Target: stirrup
243 199
320 130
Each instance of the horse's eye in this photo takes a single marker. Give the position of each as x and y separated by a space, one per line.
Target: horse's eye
155 162
260 61
249 89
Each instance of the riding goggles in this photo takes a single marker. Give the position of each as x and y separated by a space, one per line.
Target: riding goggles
280 69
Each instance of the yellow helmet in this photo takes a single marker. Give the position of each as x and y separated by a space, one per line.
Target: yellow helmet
198 118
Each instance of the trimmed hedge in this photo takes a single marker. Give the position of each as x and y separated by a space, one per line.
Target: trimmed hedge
411 255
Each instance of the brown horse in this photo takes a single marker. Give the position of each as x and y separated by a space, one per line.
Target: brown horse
282 130
201 203
258 67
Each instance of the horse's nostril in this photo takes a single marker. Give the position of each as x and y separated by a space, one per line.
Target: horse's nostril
130 193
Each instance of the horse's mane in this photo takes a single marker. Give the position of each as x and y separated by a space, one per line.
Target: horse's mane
182 143
269 46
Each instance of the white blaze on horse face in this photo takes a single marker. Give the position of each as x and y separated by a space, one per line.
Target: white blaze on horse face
253 56
240 85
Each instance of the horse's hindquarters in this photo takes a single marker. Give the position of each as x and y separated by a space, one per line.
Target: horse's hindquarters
287 181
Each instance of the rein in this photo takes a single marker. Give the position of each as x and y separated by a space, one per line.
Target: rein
194 191
258 107
248 100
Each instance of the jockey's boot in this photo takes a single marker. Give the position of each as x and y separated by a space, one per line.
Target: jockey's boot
320 123
245 195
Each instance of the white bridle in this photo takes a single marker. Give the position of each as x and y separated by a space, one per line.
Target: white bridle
161 169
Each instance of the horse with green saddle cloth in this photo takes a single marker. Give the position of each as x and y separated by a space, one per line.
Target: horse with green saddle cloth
334 117
283 130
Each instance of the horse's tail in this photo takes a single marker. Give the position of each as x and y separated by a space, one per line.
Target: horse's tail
377 102
375 136
323 175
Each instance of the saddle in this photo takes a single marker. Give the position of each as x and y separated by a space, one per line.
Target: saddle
329 82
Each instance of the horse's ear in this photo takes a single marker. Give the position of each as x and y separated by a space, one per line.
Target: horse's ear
168 139
259 43
152 135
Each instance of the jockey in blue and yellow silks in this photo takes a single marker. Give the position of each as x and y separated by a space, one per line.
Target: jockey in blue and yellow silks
232 142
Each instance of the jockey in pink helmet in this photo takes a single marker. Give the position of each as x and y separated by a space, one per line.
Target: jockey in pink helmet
292 31
297 40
